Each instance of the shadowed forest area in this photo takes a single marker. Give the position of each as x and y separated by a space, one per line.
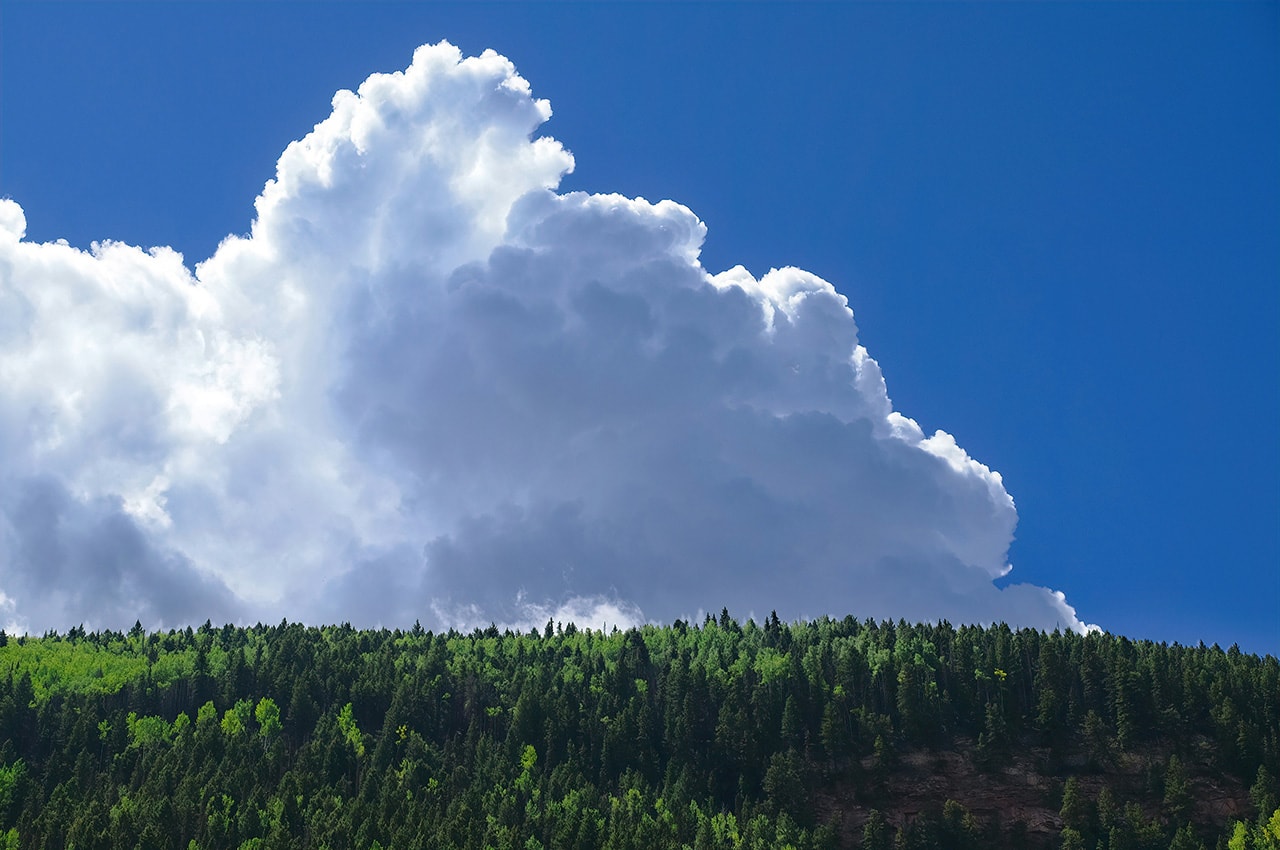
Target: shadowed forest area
822 734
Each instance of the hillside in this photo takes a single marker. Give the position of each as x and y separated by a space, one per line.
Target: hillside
823 734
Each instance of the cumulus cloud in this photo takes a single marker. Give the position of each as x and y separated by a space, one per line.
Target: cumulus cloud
428 386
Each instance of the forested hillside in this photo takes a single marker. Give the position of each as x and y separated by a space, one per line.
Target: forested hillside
824 734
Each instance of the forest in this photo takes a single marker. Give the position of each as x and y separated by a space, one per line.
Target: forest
808 735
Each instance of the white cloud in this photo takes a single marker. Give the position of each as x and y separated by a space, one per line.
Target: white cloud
427 386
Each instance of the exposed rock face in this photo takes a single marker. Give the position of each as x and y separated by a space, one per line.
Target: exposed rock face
1017 803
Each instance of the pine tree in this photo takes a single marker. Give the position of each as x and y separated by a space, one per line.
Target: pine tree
1177 791
1186 839
875 833
1071 839
1263 791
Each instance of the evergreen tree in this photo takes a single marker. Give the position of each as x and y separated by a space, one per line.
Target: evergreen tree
1177 791
876 833
724 735
1074 811
1263 791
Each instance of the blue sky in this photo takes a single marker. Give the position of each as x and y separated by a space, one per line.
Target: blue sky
1057 225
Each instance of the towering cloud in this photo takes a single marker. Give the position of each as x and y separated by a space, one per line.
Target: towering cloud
428 386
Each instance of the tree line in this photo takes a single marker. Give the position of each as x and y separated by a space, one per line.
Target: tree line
705 735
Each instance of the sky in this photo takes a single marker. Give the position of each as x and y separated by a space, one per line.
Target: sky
453 367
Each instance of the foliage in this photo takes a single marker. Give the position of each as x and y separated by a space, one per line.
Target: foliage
719 735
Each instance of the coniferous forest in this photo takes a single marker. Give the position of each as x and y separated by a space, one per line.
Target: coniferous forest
823 734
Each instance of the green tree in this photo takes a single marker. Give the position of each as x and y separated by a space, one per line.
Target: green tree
350 731
1177 791
1186 839
1108 809
784 783
876 833
1240 839
12 780
1074 810
1263 791
267 713
959 830
1269 832
235 721
1072 839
